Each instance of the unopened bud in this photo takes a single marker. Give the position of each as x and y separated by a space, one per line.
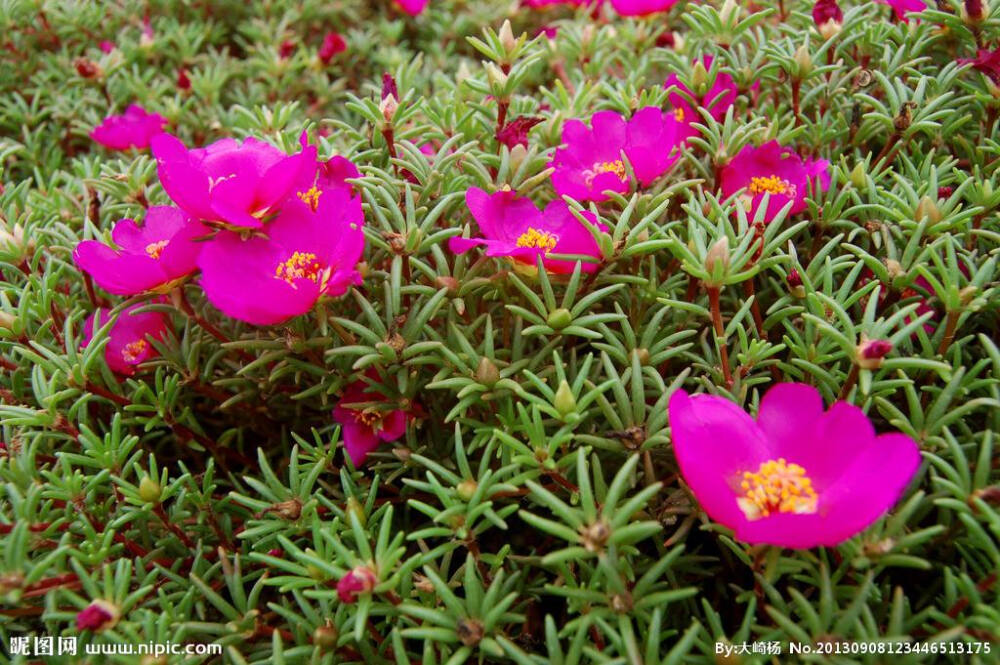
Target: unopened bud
564 400
354 507
99 615
728 9
803 61
973 11
388 107
828 17
487 373
359 580
699 78
894 268
325 637
150 490
967 295
7 320
495 75
506 36
858 178
928 208
517 156
870 353
794 281
466 489
87 68
559 318
717 258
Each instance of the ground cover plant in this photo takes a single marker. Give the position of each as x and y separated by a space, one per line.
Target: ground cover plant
498 332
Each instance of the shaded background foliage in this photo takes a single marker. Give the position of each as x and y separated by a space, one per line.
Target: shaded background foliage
522 519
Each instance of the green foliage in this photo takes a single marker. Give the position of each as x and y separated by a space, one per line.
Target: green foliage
534 512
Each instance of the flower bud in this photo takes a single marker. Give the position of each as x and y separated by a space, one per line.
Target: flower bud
325 637
517 156
928 208
354 507
858 176
470 631
564 400
331 46
487 373
506 36
183 81
99 615
559 318
717 258
967 295
803 61
828 17
359 580
794 281
870 353
7 320
973 11
495 76
87 68
699 78
150 490
729 7
894 268
388 107
466 490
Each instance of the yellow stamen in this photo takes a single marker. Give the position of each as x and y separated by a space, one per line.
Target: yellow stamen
771 184
776 487
134 350
154 249
300 265
367 417
679 114
538 239
311 197
617 167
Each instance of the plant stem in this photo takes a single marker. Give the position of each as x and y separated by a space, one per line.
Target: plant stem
713 300
951 324
849 383
750 292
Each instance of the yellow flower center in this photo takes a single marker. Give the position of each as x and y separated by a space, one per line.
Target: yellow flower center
311 197
300 265
679 114
367 417
154 249
134 350
771 184
776 487
538 239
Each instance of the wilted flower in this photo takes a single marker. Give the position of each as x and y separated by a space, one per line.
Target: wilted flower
412 7
231 182
591 163
183 80
716 100
361 579
332 44
149 257
904 7
367 419
641 7
986 61
128 343
797 476
775 170
516 131
515 228
97 616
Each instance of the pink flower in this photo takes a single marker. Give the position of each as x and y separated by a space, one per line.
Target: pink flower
106 46
515 228
412 7
591 164
150 257
775 170
904 7
310 251
97 616
797 476
716 100
234 183
360 579
134 129
641 7
367 419
128 343
534 4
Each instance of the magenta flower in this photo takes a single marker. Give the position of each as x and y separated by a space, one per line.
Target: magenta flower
97 616
107 46
775 170
513 227
591 163
310 251
904 7
716 100
151 257
134 129
797 476
128 340
360 579
412 7
641 7
367 419
234 183
332 44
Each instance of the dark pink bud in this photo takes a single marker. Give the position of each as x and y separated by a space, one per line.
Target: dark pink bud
666 39
516 131
794 279
945 192
88 69
275 553
825 11
97 616
389 87
360 580
286 49
332 44
876 348
974 10
107 46
183 82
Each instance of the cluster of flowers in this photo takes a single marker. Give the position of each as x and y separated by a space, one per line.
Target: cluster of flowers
269 234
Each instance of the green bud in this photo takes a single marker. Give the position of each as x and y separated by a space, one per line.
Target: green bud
487 373
717 261
564 401
699 78
150 490
325 637
354 507
803 61
858 176
386 351
559 318
927 208
466 490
